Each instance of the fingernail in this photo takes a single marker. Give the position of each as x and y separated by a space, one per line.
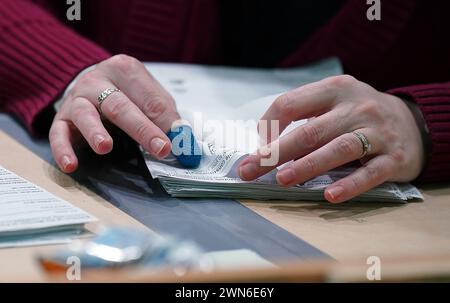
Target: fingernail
157 145
98 139
248 171
335 192
286 176
65 162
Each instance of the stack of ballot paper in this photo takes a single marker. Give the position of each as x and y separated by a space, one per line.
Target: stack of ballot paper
29 215
220 103
216 177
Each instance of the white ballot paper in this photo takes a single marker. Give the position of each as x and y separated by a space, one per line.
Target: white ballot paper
223 105
29 215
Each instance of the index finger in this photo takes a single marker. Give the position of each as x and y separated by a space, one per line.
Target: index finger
304 102
144 90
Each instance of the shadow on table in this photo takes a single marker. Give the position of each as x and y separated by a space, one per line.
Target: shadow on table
355 211
127 172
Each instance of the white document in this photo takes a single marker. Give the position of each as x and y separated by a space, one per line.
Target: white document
31 214
48 238
223 105
216 177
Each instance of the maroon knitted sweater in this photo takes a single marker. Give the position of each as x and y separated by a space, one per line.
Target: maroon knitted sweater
406 53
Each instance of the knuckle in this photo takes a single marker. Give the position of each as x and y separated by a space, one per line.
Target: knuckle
343 115
309 136
369 108
346 146
391 170
154 106
89 76
123 63
77 109
114 107
398 156
283 105
80 109
88 115
141 131
355 184
87 80
310 166
389 134
341 81
373 172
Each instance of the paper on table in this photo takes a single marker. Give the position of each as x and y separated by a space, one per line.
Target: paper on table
28 211
216 177
49 238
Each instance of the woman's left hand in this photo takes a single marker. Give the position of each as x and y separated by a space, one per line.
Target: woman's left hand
340 106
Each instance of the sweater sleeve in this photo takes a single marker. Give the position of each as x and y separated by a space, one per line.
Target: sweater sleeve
434 103
39 57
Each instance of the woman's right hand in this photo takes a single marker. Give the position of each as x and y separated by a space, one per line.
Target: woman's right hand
142 109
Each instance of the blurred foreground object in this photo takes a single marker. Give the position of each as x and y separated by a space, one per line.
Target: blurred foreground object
117 247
